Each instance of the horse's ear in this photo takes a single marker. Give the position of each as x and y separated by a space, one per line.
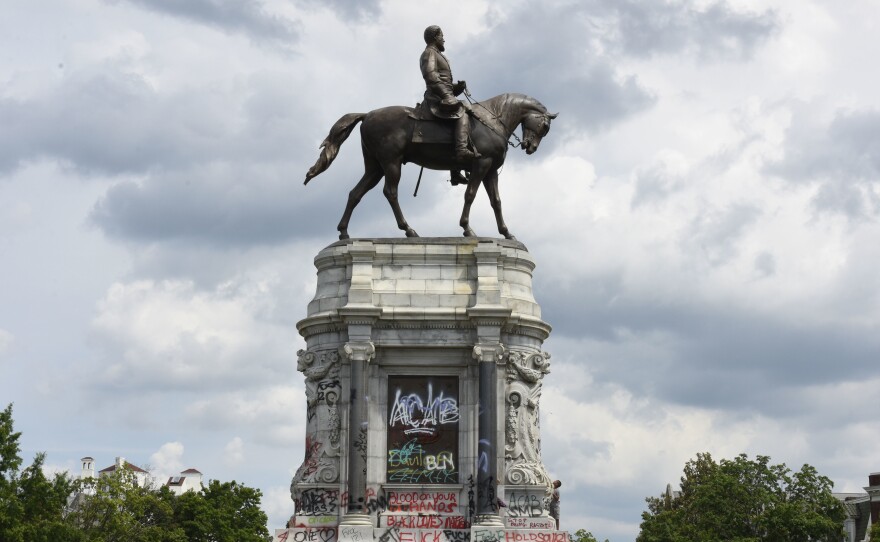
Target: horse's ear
552 116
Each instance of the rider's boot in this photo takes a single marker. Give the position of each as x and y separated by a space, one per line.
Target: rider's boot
457 178
462 152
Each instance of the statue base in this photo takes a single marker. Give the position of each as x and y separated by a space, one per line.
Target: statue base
419 350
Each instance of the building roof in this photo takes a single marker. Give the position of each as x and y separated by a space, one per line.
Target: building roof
128 466
190 471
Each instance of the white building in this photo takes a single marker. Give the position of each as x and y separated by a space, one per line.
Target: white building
189 480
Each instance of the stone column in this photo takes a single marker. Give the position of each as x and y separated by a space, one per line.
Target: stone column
359 315
488 315
487 355
359 355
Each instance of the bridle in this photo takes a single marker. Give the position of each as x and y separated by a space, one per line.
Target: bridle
467 95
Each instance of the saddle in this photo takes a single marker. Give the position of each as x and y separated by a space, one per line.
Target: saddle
428 128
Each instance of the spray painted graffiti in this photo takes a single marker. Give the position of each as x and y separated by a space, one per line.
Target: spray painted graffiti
524 505
423 424
410 521
423 415
325 534
457 535
318 502
412 455
436 502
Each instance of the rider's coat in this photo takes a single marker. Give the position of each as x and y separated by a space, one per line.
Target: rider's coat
438 79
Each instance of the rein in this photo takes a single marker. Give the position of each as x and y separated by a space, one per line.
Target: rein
467 95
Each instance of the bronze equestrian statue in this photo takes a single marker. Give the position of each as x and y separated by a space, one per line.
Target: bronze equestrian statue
475 142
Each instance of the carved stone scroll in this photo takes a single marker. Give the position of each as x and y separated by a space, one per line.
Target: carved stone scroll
323 425
522 431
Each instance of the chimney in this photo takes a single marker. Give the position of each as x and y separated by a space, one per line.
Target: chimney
873 489
120 462
88 467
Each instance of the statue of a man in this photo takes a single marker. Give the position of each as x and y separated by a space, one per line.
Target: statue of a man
441 91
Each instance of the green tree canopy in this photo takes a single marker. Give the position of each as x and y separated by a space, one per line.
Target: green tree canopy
31 505
744 500
583 535
111 508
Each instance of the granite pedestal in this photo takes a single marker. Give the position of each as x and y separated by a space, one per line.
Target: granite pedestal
423 373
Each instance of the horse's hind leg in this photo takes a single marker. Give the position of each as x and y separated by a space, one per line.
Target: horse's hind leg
392 179
372 175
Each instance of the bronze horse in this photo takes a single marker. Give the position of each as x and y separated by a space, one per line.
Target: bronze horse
386 142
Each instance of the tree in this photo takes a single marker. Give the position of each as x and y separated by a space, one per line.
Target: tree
875 532
743 500
583 535
222 512
111 508
114 508
31 505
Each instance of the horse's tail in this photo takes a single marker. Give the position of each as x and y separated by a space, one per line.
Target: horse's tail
330 146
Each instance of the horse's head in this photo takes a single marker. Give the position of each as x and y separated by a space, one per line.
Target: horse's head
535 125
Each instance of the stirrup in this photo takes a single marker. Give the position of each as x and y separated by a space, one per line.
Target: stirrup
456 178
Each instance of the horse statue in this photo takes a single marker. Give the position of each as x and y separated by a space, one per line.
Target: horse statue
394 135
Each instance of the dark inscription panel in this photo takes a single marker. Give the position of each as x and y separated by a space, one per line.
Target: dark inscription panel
423 422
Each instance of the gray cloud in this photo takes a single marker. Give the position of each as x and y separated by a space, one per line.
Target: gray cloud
218 204
529 49
247 17
114 122
715 233
842 155
350 10
699 355
710 32
577 45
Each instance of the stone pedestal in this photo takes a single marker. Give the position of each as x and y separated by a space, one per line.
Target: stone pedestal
423 373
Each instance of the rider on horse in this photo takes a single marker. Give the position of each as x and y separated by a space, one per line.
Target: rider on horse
440 96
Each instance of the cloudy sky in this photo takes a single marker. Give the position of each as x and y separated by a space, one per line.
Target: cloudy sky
704 214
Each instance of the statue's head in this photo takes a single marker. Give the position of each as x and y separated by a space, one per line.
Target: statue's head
433 35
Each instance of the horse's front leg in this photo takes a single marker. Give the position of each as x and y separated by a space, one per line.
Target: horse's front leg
491 184
392 179
478 173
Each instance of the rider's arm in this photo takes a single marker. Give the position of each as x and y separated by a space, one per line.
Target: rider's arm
432 76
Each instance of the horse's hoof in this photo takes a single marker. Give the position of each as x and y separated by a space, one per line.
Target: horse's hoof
411 233
343 236
510 236
469 233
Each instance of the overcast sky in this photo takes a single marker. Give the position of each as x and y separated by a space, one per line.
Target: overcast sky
704 214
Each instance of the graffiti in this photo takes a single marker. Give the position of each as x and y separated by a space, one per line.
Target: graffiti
488 535
425 522
361 445
422 476
413 455
535 536
486 494
312 460
319 534
472 507
315 521
327 386
423 424
524 505
416 501
545 524
353 534
319 502
423 416
457 535
390 535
